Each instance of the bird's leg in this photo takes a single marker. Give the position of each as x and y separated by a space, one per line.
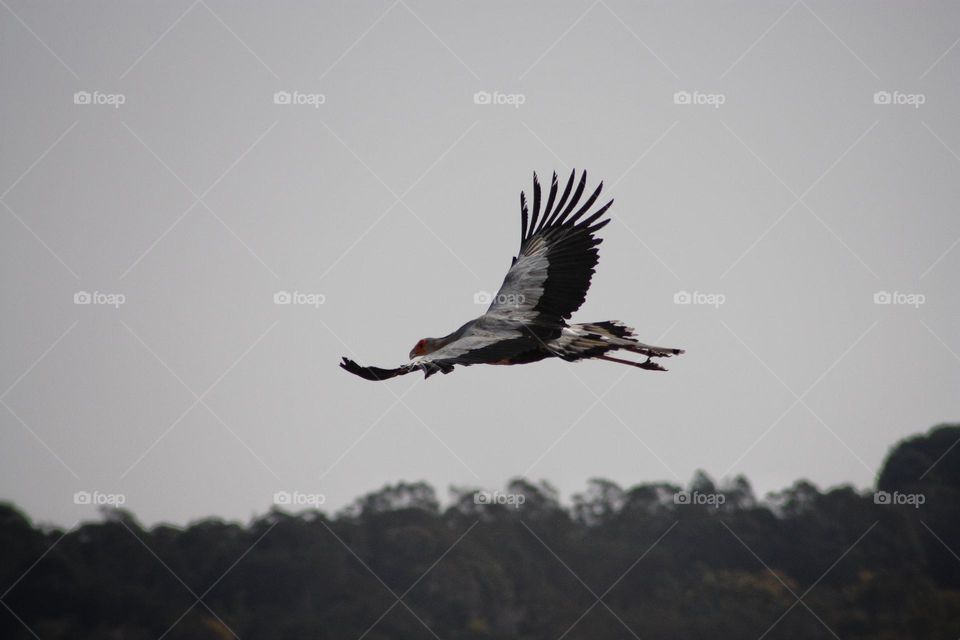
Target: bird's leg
649 364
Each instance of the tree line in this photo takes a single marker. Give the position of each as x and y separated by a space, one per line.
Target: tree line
650 561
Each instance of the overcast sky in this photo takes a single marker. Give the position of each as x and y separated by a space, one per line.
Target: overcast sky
148 160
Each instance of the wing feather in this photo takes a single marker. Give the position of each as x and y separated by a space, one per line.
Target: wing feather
549 278
573 201
565 195
536 200
550 199
523 212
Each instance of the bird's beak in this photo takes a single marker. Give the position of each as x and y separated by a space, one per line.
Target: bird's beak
413 353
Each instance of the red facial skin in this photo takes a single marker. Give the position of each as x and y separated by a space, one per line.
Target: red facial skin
419 349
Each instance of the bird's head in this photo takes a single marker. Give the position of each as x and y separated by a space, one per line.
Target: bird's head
423 347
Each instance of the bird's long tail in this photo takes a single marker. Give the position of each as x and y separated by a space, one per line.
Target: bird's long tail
596 339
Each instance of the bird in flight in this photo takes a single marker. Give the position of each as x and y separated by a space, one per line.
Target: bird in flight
546 283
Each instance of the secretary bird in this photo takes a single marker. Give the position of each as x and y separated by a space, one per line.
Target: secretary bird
546 283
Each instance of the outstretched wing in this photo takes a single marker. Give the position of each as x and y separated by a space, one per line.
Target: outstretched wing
549 278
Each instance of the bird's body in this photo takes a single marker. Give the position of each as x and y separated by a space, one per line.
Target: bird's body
546 283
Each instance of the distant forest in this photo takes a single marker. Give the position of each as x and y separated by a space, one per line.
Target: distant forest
655 561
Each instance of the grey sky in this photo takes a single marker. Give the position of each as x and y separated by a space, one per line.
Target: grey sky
397 199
